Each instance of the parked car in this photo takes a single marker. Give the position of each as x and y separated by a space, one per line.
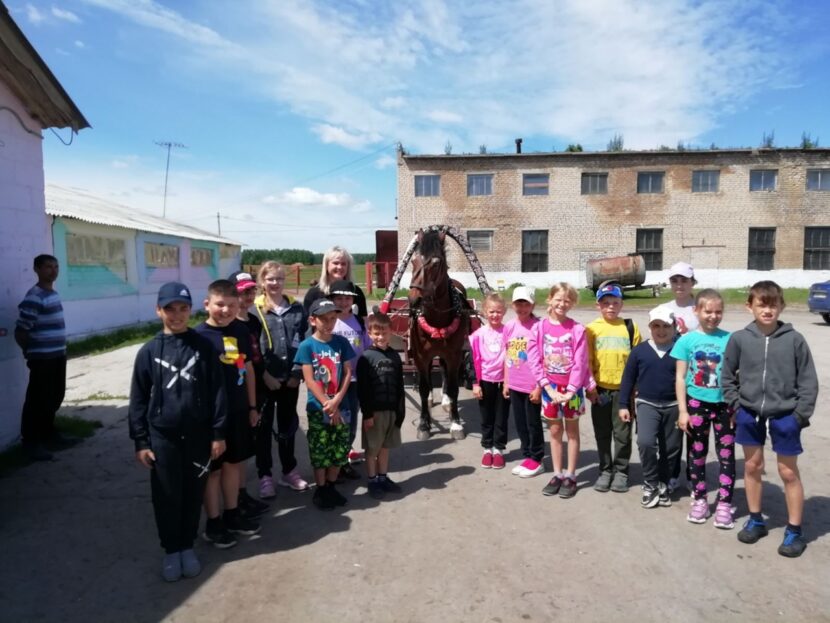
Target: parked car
819 300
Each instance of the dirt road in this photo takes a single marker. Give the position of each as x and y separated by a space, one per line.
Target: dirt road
461 543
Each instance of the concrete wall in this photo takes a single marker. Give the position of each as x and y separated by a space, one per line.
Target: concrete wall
24 233
97 299
708 229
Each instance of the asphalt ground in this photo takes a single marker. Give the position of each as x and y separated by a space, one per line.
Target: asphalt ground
459 544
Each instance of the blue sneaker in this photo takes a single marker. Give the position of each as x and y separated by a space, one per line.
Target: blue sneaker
793 545
752 531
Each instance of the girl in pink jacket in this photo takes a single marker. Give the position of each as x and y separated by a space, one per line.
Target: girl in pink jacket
558 353
487 345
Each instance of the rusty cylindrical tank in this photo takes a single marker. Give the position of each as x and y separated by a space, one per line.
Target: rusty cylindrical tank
627 270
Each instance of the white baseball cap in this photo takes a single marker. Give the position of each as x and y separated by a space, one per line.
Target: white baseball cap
683 269
662 313
523 293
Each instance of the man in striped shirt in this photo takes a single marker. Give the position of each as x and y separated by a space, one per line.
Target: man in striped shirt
41 334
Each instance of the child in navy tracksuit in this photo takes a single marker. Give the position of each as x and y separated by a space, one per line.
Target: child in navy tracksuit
652 369
177 420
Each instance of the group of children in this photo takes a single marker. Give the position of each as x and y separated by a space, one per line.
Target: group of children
688 377
203 401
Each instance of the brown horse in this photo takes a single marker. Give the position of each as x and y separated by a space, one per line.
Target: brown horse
439 326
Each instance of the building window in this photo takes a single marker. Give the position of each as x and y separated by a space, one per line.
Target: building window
479 184
817 248
200 256
158 255
480 240
705 181
650 182
650 246
535 251
91 251
818 179
761 248
594 183
427 185
763 179
535 183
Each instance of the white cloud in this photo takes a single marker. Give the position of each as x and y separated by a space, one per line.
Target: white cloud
337 135
67 16
393 103
361 207
444 116
33 15
79 44
302 196
385 161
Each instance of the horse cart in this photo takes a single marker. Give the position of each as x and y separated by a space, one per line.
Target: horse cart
433 322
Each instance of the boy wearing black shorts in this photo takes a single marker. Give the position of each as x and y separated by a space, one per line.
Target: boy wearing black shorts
177 420
231 343
769 381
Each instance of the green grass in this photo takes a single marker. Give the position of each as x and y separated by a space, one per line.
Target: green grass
136 334
69 425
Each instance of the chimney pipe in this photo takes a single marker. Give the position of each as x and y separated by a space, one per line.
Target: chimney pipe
518 145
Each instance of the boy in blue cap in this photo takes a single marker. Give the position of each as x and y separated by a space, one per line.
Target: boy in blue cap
177 421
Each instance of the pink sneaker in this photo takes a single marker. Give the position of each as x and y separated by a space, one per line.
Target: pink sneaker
355 456
293 480
266 488
723 516
487 460
498 460
531 469
699 512
521 467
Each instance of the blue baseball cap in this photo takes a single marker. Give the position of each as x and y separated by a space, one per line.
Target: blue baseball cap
321 307
174 292
612 289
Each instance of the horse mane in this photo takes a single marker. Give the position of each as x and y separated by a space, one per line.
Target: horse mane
431 245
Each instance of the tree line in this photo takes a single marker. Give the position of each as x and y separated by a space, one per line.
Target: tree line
294 256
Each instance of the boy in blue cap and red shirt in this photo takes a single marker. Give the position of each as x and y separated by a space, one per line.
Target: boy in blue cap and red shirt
177 420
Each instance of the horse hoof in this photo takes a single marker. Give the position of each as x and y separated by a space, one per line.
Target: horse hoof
423 435
457 432
446 403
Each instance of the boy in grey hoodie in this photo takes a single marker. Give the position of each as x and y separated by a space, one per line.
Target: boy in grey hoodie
768 377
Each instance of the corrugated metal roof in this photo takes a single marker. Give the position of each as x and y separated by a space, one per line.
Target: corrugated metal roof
77 204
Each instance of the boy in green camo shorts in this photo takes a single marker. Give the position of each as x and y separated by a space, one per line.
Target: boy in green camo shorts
324 358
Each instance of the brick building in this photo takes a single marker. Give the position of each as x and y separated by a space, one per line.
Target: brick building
737 215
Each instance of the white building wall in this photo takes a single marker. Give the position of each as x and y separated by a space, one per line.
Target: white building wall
24 233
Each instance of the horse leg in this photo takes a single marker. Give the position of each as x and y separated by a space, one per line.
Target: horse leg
425 389
456 427
446 401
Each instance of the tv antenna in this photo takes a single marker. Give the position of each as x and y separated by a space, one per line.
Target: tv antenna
169 145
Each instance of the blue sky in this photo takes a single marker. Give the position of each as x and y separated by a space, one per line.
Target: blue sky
290 109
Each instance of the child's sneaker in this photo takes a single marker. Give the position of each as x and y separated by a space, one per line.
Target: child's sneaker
216 533
553 486
650 498
389 485
752 531
723 516
293 480
250 507
376 490
520 467
266 488
321 500
664 497
237 523
498 460
171 567
620 483
793 545
355 456
532 468
699 512
674 484
191 567
487 459
337 498
568 489
603 482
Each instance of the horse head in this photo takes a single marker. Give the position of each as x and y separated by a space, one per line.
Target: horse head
429 268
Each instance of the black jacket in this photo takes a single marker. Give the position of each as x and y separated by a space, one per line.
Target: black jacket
281 335
177 389
380 383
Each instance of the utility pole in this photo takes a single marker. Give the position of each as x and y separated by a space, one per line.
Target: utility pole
169 145
218 225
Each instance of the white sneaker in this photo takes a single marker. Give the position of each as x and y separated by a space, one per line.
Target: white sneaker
521 467
533 468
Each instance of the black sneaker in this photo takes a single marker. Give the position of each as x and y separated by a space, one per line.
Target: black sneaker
389 485
376 490
568 489
216 533
752 531
651 497
347 471
335 496
237 524
793 545
249 507
553 486
321 499
664 495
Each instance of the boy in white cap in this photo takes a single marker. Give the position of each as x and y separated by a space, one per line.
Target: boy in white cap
682 282
652 369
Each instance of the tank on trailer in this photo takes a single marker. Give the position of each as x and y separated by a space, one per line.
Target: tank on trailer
627 270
